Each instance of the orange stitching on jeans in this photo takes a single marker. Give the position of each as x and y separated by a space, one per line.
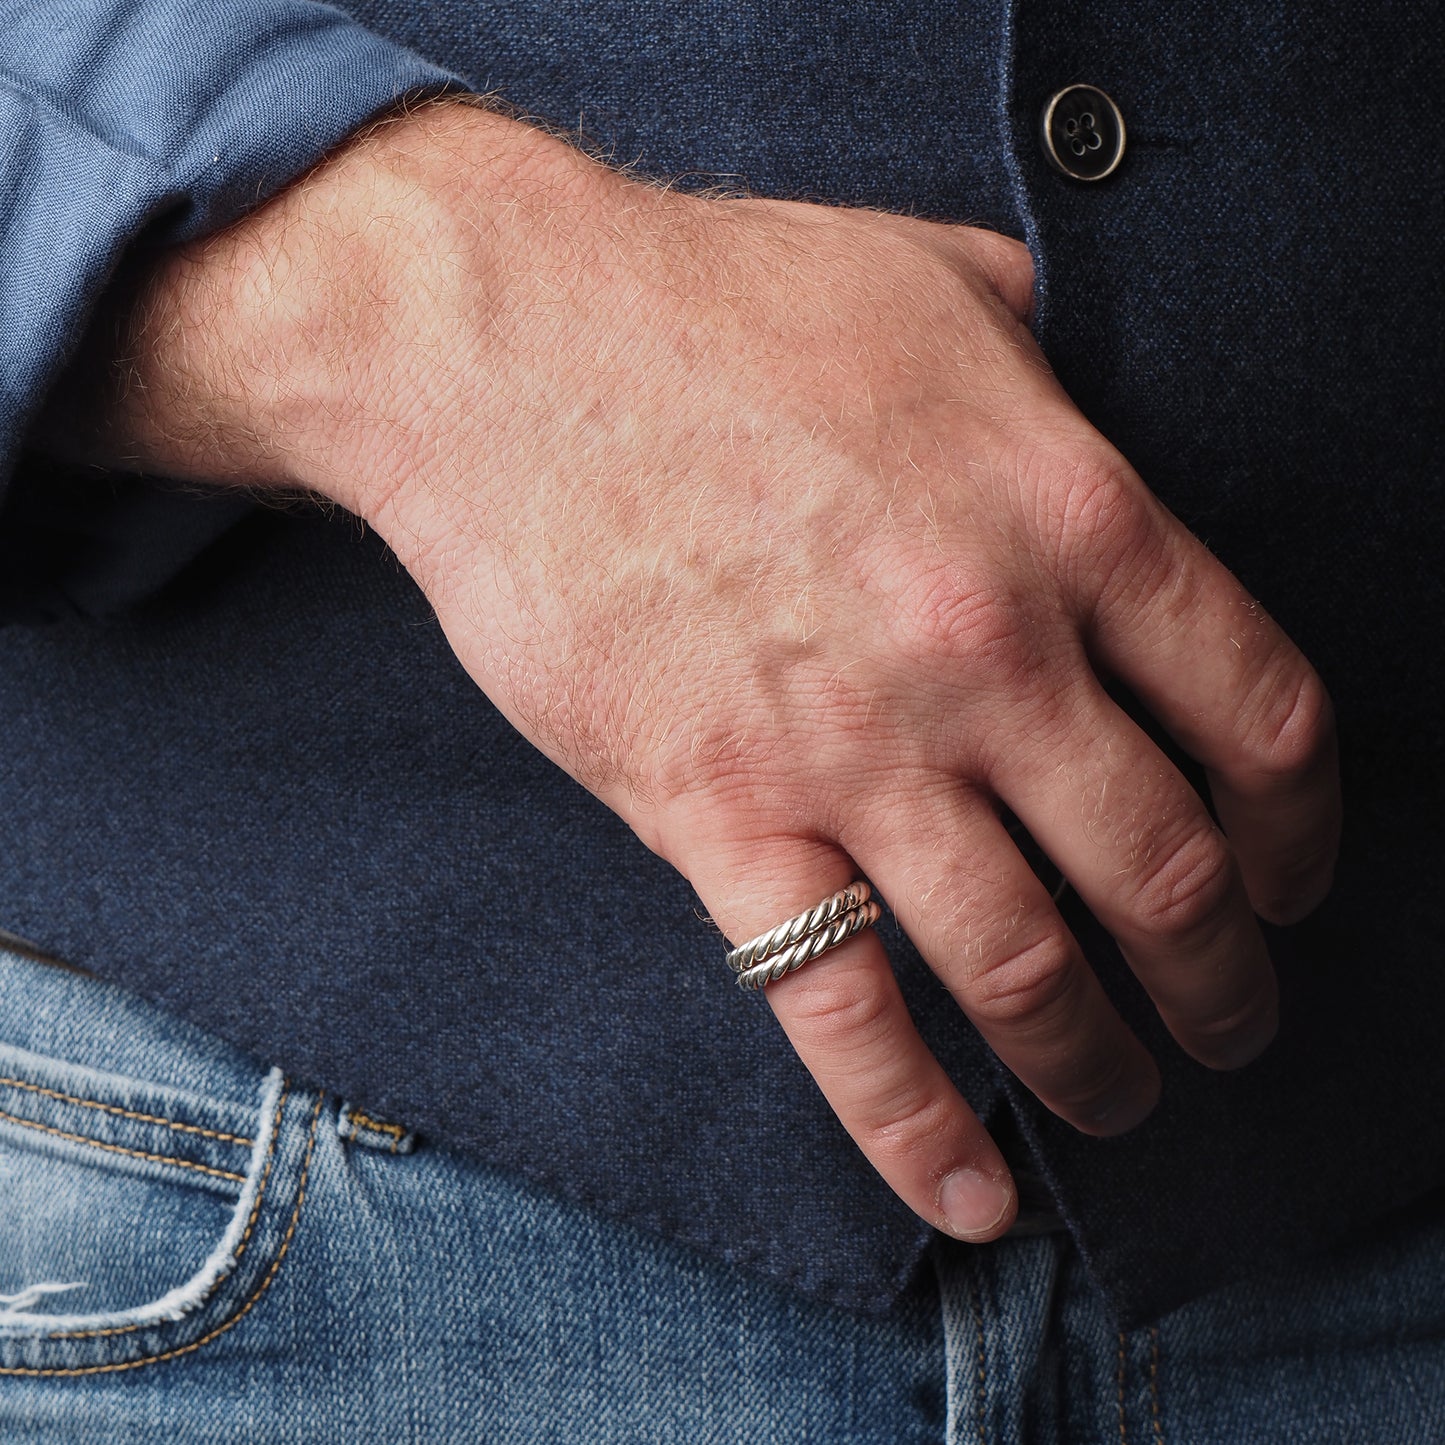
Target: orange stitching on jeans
1123 1424
361 1120
225 1324
1154 1383
357 1117
266 1171
129 1113
240 1248
118 1149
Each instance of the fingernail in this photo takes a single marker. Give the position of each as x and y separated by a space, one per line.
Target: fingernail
973 1203
1249 1042
1126 1109
1305 887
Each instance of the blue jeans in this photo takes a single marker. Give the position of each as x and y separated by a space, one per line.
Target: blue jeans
194 1248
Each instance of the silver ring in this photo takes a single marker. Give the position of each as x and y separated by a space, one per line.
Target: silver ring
775 940
840 930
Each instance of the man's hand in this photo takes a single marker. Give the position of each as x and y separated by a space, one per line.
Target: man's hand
769 523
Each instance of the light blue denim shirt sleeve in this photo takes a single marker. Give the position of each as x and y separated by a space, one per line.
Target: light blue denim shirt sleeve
155 121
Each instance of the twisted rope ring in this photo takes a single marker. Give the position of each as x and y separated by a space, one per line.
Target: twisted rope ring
785 935
770 970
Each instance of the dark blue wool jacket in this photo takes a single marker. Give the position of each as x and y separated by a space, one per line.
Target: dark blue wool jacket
241 773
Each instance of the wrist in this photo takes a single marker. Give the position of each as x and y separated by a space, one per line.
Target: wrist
292 350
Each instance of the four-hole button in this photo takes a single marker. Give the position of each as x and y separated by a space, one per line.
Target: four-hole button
1083 133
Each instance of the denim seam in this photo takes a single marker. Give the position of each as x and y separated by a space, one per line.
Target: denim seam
128 1113
981 1383
240 1247
1154 1385
1119 1378
266 1171
225 1324
6 1116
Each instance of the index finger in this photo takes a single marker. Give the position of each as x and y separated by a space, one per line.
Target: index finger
1231 688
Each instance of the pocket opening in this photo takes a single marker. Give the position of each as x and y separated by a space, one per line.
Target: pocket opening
232 1279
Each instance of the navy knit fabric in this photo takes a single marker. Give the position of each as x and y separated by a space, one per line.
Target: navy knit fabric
1253 312
266 795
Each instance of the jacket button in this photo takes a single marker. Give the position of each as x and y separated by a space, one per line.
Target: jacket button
1082 133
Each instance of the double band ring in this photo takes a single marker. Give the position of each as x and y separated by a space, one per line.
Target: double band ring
776 953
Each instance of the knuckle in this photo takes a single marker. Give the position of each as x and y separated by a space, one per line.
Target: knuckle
1006 264
1088 1095
908 1123
1029 983
1301 879
1235 1034
1291 731
1015 262
1186 887
1220 1029
839 1013
721 766
1098 515
945 614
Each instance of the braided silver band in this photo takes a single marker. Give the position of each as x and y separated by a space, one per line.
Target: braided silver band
840 930
775 940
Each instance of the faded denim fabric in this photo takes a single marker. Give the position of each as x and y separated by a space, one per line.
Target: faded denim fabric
266 797
1342 1349
194 1248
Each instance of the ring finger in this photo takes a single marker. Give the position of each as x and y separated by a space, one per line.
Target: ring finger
847 1020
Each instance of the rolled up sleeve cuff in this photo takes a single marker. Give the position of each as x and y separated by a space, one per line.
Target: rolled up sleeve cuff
153 122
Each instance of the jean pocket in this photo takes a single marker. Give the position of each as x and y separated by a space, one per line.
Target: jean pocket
138 1222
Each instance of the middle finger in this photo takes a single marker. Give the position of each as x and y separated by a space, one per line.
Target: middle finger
1137 843
989 929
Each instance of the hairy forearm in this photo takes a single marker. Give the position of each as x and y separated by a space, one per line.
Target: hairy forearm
255 356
